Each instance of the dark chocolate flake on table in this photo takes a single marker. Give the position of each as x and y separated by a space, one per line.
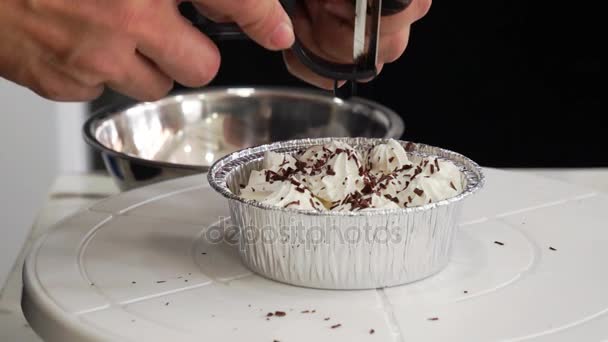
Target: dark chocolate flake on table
372 331
552 248
326 319
270 314
167 304
305 311
465 291
419 192
336 326
433 319
133 282
499 243
279 313
161 281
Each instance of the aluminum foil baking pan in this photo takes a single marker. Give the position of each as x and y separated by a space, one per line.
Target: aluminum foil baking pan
341 250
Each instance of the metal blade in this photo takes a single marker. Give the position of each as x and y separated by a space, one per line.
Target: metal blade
360 30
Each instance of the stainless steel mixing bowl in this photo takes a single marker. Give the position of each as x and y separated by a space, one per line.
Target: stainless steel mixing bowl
186 133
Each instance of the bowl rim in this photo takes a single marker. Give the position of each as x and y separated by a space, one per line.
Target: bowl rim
396 124
217 175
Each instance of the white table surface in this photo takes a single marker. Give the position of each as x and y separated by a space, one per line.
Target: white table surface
70 193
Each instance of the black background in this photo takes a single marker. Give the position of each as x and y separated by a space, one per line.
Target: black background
508 83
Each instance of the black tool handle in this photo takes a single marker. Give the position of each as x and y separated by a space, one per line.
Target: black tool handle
230 31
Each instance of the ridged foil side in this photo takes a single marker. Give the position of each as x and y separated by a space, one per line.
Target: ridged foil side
354 250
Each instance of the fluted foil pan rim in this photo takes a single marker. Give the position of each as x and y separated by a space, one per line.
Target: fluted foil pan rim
222 168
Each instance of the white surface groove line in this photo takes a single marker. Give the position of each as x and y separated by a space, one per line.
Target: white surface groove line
157 198
389 312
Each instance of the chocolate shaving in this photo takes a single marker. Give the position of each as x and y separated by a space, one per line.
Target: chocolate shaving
372 331
419 192
326 319
279 313
453 186
499 243
552 248
312 203
300 190
391 198
336 326
292 203
410 147
270 314
242 186
390 160
432 169
437 164
330 172
305 311
433 319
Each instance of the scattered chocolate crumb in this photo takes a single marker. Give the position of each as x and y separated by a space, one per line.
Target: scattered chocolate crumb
390 160
270 314
160 281
305 311
204 253
186 280
92 284
432 169
336 326
372 331
279 313
242 186
167 304
268 319
300 189
552 248
433 319
437 164
418 192
252 189
133 282
453 186
313 311
465 291
499 243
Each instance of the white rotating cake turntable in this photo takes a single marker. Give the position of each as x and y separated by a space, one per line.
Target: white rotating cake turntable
529 263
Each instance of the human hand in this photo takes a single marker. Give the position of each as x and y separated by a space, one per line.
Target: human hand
69 50
327 30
